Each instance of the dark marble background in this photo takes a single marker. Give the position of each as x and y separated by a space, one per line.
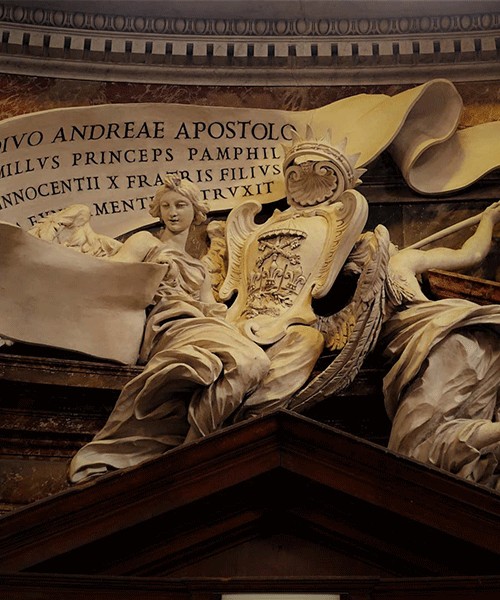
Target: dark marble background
21 94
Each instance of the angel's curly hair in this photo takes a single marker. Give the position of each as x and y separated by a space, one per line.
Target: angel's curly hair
174 182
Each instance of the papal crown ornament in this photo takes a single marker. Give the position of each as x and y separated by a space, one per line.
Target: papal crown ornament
317 171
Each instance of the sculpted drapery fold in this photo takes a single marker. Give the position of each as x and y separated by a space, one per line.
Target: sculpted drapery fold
207 366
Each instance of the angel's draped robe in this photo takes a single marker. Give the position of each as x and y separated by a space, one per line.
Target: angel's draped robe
200 373
199 368
444 386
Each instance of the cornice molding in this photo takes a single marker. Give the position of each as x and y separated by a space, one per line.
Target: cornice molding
65 44
303 453
362 26
65 372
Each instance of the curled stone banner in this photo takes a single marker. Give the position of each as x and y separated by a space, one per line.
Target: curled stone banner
54 296
112 157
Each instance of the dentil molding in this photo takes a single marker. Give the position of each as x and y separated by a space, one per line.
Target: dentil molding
248 51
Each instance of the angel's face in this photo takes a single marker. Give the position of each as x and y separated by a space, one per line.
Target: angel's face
176 211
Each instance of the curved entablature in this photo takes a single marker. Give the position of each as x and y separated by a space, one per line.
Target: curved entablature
251 51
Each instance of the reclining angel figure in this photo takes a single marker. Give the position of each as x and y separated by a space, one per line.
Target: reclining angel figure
443 390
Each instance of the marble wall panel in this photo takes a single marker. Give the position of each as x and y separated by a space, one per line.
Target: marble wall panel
21 94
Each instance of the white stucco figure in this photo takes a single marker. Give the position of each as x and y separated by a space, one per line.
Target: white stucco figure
198 367
443 390
204 371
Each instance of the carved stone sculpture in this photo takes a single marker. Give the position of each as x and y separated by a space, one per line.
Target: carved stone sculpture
199 367
207 366
278 268
203 371
442 390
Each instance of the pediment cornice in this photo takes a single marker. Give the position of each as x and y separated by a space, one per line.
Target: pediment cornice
282 464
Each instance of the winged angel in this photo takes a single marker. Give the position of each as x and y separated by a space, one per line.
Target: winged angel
205 367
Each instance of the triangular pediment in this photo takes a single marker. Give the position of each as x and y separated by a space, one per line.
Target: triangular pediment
283 481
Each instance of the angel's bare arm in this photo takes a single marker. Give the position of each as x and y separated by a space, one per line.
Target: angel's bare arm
136 247
472 252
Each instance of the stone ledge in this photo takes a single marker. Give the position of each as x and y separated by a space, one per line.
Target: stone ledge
286 74
67 372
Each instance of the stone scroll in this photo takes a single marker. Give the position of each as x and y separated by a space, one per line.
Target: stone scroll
113 157
55 296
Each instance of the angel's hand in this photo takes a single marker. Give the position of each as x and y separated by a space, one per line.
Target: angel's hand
163 257
492 213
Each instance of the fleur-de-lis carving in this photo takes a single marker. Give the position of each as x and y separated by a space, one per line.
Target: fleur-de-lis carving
277 277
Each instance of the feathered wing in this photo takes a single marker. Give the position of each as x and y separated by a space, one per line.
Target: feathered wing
354 330
70 227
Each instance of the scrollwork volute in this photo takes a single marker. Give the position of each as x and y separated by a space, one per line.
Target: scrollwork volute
318 171
277 268
286 262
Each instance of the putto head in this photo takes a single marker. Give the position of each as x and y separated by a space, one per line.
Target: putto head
173 182
317 171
